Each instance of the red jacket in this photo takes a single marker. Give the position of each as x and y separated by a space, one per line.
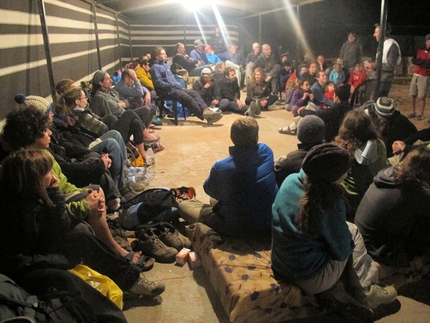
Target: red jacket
357 78
422 62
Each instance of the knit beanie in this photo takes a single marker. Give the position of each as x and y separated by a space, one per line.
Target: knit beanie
206 71
326 163
311 130
97 78
38 102
385 107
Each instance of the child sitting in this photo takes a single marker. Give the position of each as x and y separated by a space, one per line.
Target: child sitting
329 90
337 75
301 97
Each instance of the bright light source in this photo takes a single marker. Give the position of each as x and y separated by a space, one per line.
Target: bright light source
193 5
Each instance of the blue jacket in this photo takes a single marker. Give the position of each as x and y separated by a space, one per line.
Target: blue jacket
244 185
297 255
163 79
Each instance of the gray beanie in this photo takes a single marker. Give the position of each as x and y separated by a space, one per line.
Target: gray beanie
97 78
311 130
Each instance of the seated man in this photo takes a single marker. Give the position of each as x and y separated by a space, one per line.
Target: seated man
236 61
129 88
318 90
230 93
250 61
193 66
207 88
198 53
167 87
218 71
272 68
242 187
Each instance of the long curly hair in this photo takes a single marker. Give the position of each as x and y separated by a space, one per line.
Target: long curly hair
415 169
356 129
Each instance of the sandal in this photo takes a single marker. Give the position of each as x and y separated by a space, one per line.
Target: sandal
155 127
145 263
287 131
150 141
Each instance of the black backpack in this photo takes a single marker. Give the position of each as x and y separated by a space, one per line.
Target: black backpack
156 205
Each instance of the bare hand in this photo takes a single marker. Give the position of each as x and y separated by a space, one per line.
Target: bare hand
55 182
132 74
263 102
106 161
311 96
215 102
240 104
147 98
398 146
96 202
122 104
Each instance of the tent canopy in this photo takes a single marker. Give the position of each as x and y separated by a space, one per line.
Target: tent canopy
135 9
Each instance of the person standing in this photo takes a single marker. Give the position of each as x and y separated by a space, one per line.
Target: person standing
351 52
391 57
421 79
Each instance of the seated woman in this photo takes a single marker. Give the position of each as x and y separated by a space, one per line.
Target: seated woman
113 111
357 135
40 233
37 135
312 244
258 95
393 215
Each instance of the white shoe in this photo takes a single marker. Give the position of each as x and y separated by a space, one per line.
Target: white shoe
146 287
377 295
212 116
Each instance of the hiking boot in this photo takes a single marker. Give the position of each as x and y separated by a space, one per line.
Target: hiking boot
377 295
146 287
252 109
168 234
127 192
212 115
149 243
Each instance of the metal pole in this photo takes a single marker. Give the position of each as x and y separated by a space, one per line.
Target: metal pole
130 42
382 30
97 35
259 29
42 14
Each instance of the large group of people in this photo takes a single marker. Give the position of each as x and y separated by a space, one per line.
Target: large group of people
326 205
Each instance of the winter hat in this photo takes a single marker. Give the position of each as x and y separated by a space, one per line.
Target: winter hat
385 107
343 92
38 102
206 71
311 130
97 78
198 43
326 163
427 36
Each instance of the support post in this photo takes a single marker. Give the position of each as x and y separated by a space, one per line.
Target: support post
97 36
383 28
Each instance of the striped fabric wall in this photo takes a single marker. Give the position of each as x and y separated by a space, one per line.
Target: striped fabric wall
145 37
70 23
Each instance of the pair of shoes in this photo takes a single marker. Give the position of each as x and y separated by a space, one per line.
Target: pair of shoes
145 263
252 109
146 287
412 115
150 244
184 193
287 131
168 234
377 295
420 117
212 115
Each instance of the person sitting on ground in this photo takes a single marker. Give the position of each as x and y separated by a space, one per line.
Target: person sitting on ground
291 86
311 74
218 71
207 88
230 93
390 124
322 65
108 106
417 138
334 116
138 96
211 56
329 90
286 72
167 87
236 185
301 97
393 215
318 90
310 132
143 75
236 61
314 247
357 134
271 67
250 61
182 60
40 234
36 135
258 95
337 76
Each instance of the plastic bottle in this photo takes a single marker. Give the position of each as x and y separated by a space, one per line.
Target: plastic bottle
150 162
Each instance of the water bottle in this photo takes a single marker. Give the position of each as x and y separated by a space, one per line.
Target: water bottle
150 162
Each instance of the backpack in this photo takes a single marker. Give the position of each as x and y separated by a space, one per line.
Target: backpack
154 205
